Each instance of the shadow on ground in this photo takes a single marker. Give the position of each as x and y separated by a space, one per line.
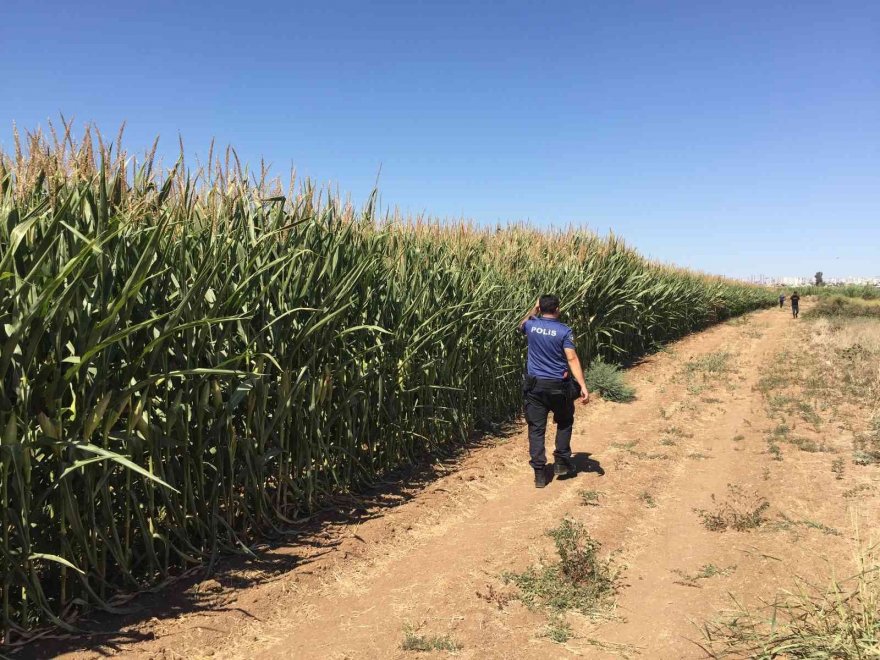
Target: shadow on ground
583 462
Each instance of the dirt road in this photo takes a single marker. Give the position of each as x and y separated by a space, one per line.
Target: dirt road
432 564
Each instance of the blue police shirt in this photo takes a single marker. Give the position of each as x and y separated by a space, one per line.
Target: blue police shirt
547 340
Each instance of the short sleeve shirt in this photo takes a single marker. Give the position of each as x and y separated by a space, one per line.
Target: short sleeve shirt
548 339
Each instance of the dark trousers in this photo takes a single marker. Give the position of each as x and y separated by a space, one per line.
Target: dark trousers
542 398
794 310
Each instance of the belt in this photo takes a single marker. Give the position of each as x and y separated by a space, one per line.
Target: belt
551 381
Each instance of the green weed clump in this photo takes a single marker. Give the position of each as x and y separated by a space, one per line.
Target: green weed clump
608 380
558 630
580 580
589 497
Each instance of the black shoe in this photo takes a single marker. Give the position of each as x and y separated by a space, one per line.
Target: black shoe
562 467
540 478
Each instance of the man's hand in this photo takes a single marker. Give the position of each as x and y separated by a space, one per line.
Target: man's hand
533 312
585 396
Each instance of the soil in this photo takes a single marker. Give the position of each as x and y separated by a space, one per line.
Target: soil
427 555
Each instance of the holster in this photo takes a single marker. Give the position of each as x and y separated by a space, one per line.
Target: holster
528 383
574 389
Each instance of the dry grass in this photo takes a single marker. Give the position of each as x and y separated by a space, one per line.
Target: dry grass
838 620
741 511
833 380
412 641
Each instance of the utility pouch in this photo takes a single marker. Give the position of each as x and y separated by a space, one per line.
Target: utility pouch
573 389
529 383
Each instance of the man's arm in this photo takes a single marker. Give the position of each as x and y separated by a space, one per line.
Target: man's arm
534 311
574 368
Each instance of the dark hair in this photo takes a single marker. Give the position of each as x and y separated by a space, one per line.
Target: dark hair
548 304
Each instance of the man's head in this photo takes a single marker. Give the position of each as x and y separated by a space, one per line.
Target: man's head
548 304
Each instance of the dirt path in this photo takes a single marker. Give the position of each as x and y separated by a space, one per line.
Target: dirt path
422 564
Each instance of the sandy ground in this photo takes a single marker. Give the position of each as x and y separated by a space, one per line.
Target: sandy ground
430 556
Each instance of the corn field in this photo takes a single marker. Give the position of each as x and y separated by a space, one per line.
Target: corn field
190 361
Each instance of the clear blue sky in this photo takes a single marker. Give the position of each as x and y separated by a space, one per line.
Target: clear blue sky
734 137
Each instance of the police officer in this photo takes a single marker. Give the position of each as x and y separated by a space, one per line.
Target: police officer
554 380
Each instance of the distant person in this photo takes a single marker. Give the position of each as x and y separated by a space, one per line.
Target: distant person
554 380
795 300
781 300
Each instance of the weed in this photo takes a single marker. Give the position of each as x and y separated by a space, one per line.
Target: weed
578 581
739 437
667 442
648 499
558 630
695 390
807 445
624 445
589 497
837 467
855 490
706 571
809 414
415 642
775 380
861 457
841 620
607 380
708 368
698 456
653 456
778 402
766 474
867 445
825 529
785 524
629 447
741 511
710 363
781 431
496 597
840 307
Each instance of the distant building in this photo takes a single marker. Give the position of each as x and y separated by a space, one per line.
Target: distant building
794 281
